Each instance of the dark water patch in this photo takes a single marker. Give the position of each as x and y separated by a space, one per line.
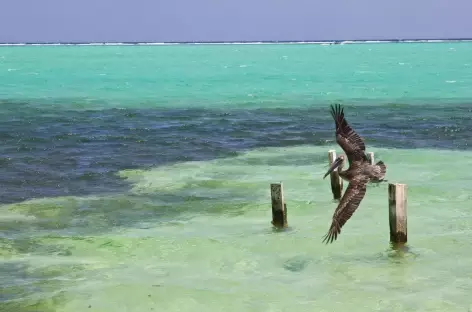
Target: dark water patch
47 151
74 218
297 263
23 283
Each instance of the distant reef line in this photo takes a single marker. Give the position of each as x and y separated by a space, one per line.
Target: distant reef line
323 42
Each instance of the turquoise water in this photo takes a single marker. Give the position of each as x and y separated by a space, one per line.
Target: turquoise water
136 178
235 75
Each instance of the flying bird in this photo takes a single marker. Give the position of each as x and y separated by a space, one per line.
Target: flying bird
359 173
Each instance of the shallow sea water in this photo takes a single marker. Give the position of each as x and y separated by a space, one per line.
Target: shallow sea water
198 235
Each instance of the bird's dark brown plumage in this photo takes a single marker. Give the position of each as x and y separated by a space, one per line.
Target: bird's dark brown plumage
350 201
346 137
359 173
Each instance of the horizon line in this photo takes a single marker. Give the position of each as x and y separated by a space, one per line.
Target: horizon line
336 41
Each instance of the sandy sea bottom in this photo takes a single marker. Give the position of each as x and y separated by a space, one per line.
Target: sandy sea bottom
197 235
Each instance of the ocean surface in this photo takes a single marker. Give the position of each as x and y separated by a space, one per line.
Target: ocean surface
136 178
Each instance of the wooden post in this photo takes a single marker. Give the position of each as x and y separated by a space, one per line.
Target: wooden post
336 181
371 154
279 207
397 202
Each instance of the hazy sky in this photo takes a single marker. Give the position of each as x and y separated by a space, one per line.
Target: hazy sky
224 20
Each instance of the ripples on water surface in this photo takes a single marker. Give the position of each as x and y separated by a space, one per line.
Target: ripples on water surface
146 209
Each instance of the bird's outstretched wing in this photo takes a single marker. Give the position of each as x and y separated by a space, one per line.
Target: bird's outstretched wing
351 199
347 138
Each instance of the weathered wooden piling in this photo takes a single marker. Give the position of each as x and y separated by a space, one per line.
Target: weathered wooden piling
371 155
397 203
336 181
279 207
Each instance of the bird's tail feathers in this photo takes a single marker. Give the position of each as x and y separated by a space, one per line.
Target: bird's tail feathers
380 170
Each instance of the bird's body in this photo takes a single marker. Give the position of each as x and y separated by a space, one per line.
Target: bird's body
376 173
359 173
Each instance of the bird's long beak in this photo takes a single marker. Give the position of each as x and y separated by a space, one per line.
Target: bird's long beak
335 164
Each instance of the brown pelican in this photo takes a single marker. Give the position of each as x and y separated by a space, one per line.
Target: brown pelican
359 173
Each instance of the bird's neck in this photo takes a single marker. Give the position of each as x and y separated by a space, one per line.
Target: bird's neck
341 171
343 174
